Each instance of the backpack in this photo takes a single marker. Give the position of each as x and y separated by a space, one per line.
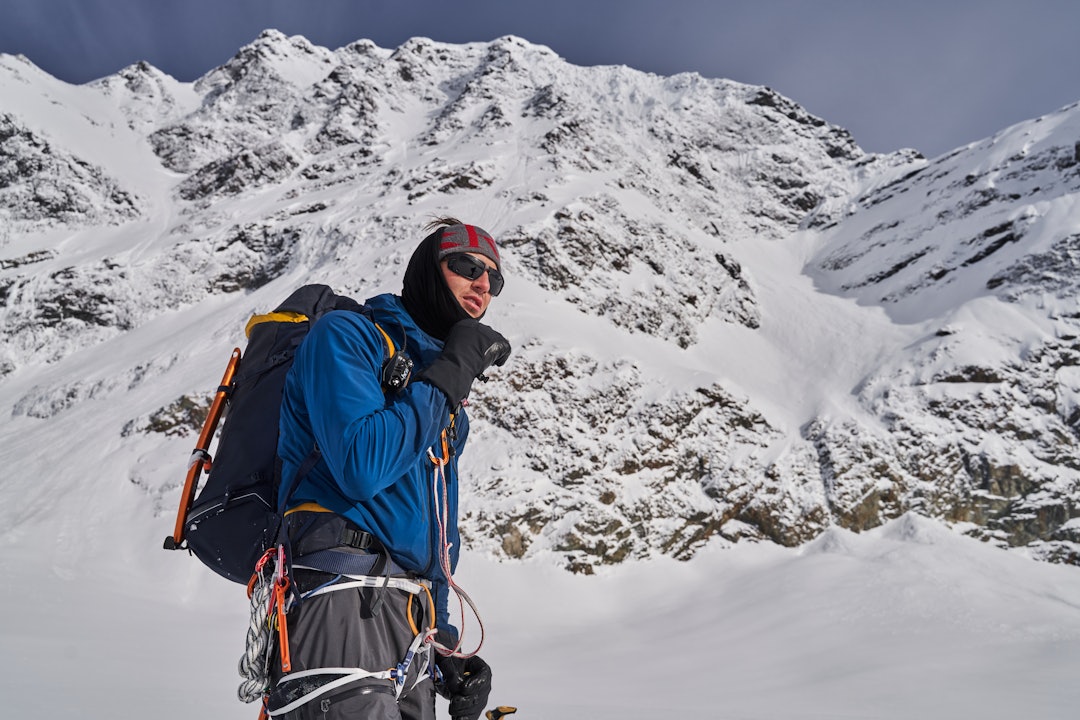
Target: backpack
234 519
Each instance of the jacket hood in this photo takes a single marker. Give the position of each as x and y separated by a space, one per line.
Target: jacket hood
389 312
425 293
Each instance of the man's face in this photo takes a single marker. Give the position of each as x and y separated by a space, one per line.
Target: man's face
474 296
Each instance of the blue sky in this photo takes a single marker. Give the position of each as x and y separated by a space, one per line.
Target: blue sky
928 74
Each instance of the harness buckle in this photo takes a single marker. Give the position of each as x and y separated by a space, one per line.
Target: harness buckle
354 538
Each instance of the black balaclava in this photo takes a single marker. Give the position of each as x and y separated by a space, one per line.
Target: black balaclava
425 293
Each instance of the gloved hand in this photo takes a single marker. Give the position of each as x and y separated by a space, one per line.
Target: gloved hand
469 350
466 683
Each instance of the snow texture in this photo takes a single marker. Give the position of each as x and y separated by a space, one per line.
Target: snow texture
768 391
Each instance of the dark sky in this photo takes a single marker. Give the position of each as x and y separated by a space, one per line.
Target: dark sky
928 74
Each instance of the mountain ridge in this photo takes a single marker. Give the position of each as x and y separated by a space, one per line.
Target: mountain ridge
653 229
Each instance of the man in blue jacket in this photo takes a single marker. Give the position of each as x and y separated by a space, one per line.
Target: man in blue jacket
372 510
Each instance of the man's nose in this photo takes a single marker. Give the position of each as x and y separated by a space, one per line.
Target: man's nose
482 283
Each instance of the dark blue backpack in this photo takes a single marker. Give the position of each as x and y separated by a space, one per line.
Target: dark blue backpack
234 519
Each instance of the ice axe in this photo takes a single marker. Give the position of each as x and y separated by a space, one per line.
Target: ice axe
200 458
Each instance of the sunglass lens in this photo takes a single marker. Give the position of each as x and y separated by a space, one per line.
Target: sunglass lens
495 281
470 268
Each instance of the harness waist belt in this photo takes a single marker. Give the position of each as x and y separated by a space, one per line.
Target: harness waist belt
312 531
347 563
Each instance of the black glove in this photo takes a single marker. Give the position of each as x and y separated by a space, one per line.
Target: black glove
469 350
466 683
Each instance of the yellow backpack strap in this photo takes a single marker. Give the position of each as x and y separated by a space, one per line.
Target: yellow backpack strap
389 342
397 368
308 507
285 316
289 316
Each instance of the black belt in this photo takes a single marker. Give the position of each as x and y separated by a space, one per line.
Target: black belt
314 531
347 563
330 543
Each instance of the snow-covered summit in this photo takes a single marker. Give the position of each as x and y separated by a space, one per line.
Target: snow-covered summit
729 321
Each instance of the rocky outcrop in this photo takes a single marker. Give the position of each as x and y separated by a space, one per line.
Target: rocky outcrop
657 233
41 185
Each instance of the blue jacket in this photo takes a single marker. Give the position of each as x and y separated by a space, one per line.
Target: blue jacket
374 468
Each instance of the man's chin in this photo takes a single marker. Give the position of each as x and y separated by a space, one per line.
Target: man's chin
472 310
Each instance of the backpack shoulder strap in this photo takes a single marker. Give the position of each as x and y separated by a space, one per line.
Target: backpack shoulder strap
397 366
389 343
395 373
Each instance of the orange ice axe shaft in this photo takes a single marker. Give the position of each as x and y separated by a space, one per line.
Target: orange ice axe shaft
200 457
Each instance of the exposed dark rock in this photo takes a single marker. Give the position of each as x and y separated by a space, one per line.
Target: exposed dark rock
249 169
40 183
184 417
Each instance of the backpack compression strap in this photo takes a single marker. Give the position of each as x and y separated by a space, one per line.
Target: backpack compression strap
286 316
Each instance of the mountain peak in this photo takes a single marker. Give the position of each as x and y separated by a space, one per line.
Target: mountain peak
732 323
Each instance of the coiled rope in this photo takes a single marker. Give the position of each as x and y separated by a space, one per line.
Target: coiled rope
255 663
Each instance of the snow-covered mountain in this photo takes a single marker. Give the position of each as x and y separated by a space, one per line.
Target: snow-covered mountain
729 321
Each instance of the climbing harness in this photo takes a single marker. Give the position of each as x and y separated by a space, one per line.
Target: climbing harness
271 597
397 675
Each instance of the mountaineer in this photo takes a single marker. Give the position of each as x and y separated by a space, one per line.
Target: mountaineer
371 506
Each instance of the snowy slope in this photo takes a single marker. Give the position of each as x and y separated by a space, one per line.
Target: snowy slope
731 326
908 620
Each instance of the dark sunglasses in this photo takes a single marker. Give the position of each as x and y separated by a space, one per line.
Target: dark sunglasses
470 268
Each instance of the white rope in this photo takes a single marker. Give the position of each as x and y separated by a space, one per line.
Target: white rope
442 511
255 663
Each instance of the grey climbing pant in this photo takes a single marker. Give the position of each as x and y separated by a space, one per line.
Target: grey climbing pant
366 628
